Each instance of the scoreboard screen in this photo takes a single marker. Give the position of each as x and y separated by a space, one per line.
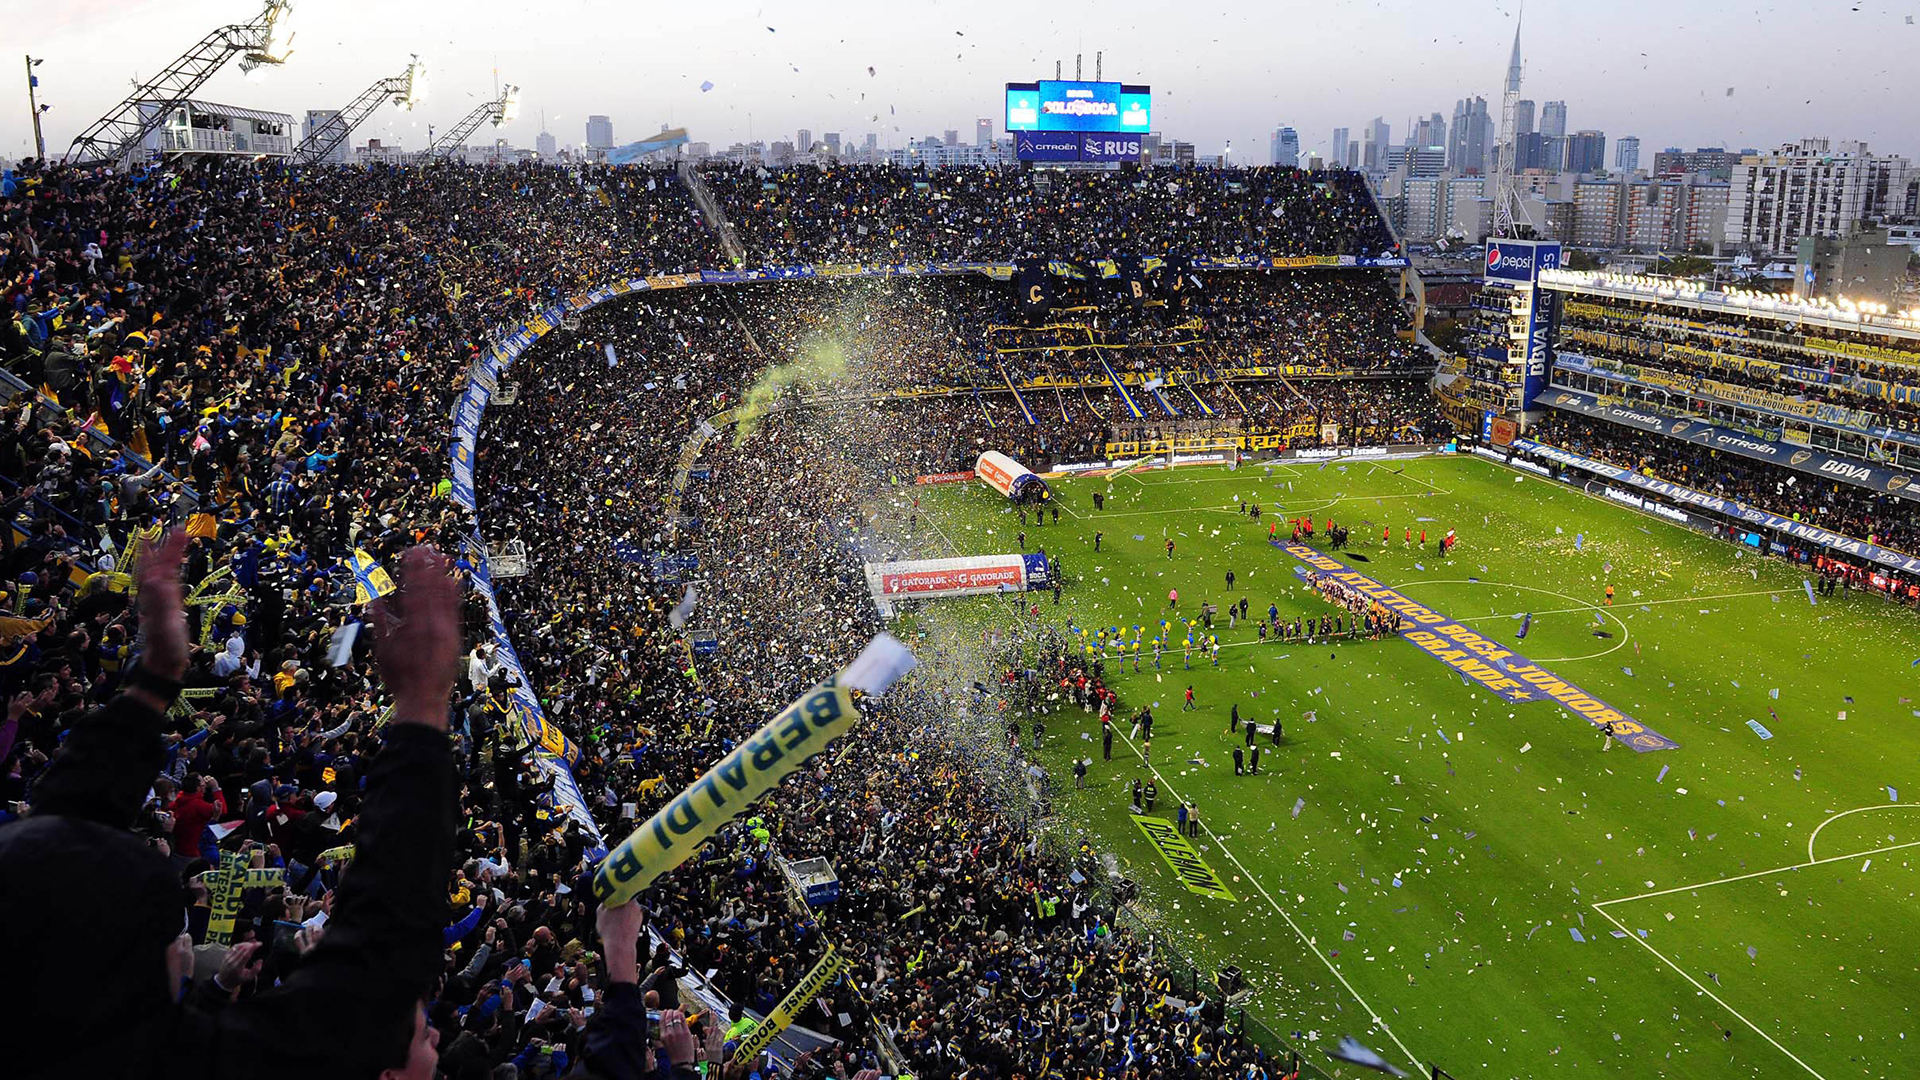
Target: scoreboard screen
1060 105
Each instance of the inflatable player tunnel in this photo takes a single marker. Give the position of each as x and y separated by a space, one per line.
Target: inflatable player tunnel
1010 478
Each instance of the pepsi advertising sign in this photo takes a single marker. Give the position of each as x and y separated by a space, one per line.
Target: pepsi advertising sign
1046 146
1066 105
1520 261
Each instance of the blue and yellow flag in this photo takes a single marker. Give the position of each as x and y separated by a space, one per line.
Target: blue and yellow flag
370 580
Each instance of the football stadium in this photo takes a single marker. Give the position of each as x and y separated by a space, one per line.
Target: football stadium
644 615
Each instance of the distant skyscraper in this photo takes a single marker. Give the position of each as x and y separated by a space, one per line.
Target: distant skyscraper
1431 131
1523 117
546 146
1531 153
1283 148
983 132
952 137
1626 153
871 147
327 122
1586 152
1553 119
804 144
832 140
1339 155
1378 136
1472 137
600 133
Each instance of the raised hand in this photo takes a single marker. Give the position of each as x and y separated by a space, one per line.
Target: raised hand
417 638
163 619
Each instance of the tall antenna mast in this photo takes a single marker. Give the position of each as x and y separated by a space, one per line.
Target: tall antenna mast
1506 194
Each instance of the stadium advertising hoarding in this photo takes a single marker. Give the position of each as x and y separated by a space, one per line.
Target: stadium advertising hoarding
964 576
1046 145
1519 262
1064 146
1068 105
1804 459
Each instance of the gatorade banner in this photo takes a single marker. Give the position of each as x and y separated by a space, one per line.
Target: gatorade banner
812 986
966 575
1479 659
1187 864
767 757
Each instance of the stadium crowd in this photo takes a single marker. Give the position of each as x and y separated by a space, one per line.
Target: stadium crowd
263 357
879 214
1876 517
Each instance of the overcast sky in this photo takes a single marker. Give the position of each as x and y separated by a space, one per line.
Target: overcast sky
1220 71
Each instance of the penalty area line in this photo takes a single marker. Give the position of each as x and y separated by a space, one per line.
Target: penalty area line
1717 1000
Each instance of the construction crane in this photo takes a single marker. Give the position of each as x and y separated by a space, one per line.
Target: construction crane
406 90
115 137
500 111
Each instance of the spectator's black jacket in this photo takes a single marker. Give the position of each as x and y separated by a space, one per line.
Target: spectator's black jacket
97 957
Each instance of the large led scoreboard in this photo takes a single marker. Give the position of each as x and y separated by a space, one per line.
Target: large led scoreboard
1060 120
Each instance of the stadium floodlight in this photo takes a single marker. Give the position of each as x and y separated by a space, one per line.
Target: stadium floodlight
413 84
509 109
121 134
405 90
275 41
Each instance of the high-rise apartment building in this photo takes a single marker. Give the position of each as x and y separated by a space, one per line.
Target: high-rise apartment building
1553 119
1283 148
599 134
1339 155
1378 137
803 142
1715 161
1626 153
1472 137
1523 117
329 122
1586 152
1811 188
983 132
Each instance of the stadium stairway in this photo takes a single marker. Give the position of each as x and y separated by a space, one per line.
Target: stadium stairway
709 208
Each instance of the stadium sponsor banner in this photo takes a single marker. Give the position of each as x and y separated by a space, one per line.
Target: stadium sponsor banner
1847 545
1188 866
1478 658
965 575
811 985
1046 145
944 478
1099 147
1519 262
1801 458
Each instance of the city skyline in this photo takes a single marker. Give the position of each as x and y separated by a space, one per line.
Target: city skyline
778 67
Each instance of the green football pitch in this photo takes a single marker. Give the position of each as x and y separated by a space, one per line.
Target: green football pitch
1456 879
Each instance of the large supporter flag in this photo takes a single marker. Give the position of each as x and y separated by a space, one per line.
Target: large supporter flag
1035 288
370 580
